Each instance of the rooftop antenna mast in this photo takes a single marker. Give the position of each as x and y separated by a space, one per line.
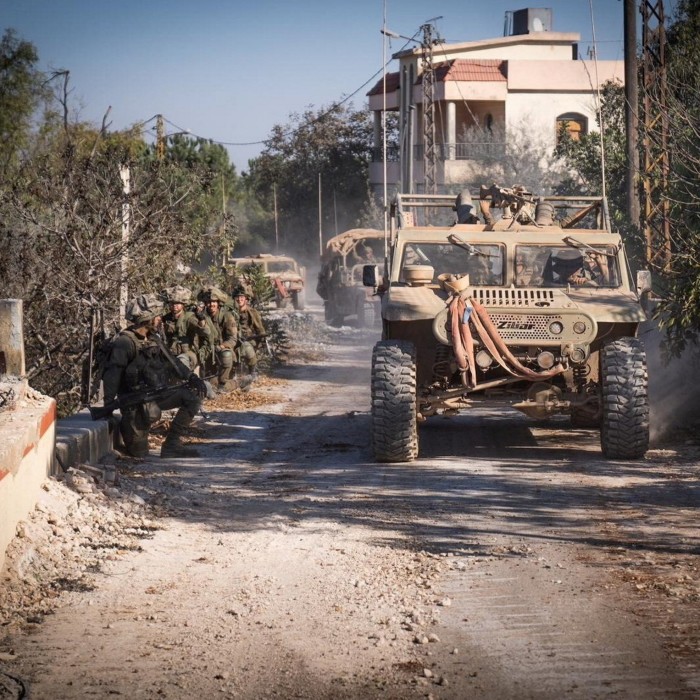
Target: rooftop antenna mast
599 108
430 38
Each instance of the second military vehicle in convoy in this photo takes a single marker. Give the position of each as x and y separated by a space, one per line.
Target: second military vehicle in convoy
287 277
340 279
531 305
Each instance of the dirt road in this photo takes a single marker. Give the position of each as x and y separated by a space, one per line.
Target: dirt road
509 561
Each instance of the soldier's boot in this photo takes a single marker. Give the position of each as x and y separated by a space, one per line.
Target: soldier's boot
174 447
223 379
249 378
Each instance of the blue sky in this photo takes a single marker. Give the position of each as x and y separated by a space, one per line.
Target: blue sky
230 69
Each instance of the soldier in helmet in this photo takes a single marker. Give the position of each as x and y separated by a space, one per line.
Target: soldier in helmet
186 332
250 329
136 363
226 334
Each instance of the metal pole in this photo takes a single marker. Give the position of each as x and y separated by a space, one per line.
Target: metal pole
274 203
631 116
320 225
335 213
385 205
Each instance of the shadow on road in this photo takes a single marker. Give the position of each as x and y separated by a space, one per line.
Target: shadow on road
477 474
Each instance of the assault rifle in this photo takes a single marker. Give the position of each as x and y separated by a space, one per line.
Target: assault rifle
133 398
260 336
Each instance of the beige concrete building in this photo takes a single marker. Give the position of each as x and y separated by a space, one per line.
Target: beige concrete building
484 91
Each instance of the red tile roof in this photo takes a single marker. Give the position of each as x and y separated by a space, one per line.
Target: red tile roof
463 69
472 70
392 84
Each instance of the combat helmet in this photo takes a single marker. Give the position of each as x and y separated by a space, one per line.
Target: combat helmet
143 308
178 295
241 291
214 294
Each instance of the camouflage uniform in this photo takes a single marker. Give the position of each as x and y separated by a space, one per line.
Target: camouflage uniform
249 324
225 336
136 363
186 333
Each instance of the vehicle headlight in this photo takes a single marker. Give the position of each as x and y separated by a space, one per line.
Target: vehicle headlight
545 359
556 327
579 327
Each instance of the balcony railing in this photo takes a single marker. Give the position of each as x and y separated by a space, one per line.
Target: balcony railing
450 151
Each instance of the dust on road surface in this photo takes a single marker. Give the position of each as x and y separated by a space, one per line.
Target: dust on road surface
509 561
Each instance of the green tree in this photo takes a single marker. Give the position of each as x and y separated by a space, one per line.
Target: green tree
584 160
335 144
21 90
679 284
219 213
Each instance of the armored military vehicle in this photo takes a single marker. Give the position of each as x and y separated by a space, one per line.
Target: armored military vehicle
287 277
340 279
528 301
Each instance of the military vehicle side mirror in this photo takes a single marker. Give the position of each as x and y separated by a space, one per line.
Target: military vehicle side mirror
370 275
643 282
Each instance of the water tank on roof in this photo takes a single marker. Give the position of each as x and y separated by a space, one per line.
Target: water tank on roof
532 20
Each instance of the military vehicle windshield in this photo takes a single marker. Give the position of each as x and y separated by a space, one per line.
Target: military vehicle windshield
281 266
547 266
484 263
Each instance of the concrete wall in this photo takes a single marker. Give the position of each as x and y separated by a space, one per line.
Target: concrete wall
33 444
27 438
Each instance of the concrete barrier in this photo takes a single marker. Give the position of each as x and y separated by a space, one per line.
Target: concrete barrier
27 439
33 444
80 440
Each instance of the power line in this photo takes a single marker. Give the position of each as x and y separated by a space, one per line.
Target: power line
330 110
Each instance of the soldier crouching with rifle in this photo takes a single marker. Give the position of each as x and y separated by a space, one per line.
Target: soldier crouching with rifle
138 380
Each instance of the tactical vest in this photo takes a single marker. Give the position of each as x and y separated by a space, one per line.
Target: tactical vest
176 333
148 369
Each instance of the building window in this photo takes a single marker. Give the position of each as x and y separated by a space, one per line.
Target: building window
573 124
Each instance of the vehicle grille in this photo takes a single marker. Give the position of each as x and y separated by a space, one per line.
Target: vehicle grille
525 327
495 296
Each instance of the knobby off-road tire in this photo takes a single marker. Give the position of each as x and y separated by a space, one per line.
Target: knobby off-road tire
394 424
624 430
365 315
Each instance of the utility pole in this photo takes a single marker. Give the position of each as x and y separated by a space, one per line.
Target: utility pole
160 137
632 105
320 218
655 218
428 81
274 204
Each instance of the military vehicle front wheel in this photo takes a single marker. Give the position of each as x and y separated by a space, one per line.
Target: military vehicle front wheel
393 395
624 432
299 300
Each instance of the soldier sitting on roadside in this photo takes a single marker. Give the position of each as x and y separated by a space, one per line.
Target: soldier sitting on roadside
185 331
250 330
225 337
